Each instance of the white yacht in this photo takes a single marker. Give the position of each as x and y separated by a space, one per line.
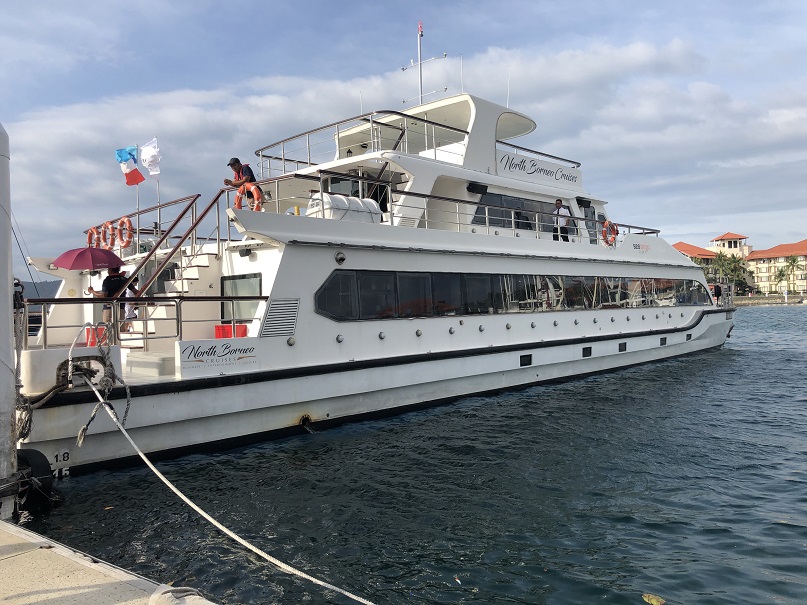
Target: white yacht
391 260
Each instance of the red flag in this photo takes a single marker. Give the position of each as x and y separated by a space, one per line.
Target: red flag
134 177
420 28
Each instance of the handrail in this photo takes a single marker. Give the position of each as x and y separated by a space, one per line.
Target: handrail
149 301
363 116
177 246
154 249
152 209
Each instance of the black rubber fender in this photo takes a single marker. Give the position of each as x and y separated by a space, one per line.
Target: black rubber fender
37 487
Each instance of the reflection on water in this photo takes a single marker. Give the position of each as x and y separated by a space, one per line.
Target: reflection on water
685 479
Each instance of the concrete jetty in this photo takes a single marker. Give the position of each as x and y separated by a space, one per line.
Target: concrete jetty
35 569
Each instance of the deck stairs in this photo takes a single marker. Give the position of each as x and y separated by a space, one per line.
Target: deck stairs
190 272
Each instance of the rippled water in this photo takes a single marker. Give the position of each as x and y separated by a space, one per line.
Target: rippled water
686 479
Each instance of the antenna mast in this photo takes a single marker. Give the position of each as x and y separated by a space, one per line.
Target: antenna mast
420 65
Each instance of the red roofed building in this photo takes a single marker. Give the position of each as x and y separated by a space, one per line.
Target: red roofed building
694 251
731 243
766 263
701 256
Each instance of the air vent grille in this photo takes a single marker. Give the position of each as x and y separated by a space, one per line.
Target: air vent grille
281 317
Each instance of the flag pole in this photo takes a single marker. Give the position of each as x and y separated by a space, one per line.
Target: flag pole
420 63
137 216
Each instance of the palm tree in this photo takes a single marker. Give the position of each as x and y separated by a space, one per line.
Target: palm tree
791 266
779 276
721 264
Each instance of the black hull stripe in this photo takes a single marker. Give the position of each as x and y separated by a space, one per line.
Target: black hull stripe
84 396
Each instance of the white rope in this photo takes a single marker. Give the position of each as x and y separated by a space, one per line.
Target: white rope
276 562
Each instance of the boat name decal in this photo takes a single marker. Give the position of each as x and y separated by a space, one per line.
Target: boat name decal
216 351
538 170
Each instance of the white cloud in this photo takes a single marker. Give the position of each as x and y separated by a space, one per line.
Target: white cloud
675 134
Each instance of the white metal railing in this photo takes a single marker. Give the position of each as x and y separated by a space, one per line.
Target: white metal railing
441 212
367 133
159 318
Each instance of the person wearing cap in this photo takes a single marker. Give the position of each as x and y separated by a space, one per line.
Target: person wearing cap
242 173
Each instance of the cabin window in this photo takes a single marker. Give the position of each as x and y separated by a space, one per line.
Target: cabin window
337 296
573 295
414 295
447 293
342 186
351 295
240 285
664 293
497 210
610 292
478 294
376 295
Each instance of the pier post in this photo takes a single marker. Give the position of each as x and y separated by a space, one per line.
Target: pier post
8 449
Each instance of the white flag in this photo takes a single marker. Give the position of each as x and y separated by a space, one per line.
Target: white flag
150 156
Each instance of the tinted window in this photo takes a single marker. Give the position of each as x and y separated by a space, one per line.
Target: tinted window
414 295
477 294
447 293
337 296
376 295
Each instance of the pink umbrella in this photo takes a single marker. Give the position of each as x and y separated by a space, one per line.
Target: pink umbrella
88 259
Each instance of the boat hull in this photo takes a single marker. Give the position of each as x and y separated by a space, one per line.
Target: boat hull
213 413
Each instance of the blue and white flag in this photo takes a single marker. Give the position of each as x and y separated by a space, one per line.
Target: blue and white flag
127 158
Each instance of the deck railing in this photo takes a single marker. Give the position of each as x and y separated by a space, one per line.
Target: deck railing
365 133
160 318
292 193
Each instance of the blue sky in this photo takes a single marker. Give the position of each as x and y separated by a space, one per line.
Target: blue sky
690 117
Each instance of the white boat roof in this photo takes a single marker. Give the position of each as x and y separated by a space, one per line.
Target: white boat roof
464 110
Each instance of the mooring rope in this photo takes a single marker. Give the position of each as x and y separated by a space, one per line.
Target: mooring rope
276 562
106 382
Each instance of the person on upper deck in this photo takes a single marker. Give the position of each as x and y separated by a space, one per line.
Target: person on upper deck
562 216
242 174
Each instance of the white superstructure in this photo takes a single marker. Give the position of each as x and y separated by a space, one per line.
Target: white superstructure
397 259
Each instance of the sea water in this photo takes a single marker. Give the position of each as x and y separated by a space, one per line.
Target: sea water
685 479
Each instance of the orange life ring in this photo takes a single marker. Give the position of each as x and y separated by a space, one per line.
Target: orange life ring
124 232
609 232
108 232
257 196
93 238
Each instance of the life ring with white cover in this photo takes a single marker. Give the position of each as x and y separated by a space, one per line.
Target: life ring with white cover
93 238
609 232
124 232
257 196
108 233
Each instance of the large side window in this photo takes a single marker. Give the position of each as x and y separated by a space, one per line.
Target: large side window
610 292
352 295
478 294
447 293
415 295
336 298
240 285
664 293
574 295
376 295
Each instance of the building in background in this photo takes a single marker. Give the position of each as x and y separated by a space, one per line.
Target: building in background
703 257
781 268
723 261
733 244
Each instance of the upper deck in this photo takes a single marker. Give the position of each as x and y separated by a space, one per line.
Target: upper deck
462 130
